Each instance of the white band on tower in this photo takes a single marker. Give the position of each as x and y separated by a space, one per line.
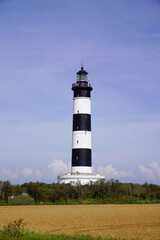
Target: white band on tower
81 105
81 139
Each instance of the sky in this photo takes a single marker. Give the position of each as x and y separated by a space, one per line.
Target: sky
42 45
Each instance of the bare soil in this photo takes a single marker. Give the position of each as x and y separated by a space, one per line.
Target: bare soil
119 221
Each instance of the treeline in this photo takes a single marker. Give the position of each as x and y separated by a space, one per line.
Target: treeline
111 191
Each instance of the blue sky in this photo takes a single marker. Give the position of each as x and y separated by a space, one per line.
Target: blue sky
42 46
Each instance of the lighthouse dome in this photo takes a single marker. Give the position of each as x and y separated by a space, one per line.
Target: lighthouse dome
82 75
82 72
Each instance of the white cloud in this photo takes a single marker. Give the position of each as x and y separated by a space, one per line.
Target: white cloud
152 172
110 172
51 172
156 168
58 167
9 174
38 173
27 172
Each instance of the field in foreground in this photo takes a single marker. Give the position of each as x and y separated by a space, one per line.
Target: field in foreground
117 221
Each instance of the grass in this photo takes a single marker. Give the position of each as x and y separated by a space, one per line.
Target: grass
30 235
85 202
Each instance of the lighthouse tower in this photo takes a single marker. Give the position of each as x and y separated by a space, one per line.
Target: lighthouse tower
81 169
81 136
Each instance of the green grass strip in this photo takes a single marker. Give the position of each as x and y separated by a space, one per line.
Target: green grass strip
30 235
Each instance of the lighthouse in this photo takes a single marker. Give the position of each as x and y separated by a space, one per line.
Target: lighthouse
81 166
81 135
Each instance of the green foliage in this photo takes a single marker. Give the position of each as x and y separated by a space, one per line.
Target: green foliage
15 229
17 190
38 191
30 235
6 190
1 184
158 194
101 192
21 200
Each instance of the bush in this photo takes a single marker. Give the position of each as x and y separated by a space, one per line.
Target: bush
21 200
15 229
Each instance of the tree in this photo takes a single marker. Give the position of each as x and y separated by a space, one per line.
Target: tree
34 190
17 190
158 194
6 190
1 184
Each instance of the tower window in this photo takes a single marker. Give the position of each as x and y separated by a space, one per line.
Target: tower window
77 141
77 111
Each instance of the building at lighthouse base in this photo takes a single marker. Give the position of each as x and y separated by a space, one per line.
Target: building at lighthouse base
81 178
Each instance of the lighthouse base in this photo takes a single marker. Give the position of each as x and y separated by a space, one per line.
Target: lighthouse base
80 178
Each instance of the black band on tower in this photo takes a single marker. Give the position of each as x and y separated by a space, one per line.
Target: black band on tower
81 89
82 93
81 157
81 122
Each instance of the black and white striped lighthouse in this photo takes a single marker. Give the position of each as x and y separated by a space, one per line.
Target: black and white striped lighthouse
81 169
81 135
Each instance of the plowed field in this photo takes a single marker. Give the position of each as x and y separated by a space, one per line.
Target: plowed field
120 221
